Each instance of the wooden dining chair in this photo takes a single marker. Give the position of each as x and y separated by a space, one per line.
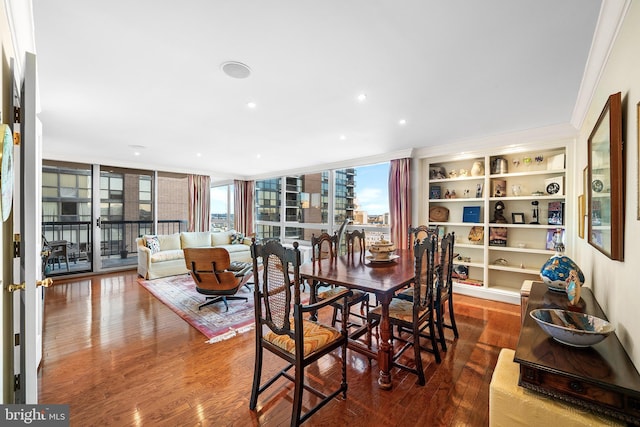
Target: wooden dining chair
414 319
415 234
356 244
282 329
420 232
444 291
325 246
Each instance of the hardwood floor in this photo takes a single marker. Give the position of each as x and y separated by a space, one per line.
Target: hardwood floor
120 357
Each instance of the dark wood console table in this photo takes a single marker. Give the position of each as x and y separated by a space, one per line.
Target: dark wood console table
600 378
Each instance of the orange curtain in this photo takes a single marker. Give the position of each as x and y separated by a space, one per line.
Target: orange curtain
243 202
199 202
400 201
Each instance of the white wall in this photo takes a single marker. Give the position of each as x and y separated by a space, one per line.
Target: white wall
616 285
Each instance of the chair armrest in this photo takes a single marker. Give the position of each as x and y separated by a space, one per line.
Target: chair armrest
344 294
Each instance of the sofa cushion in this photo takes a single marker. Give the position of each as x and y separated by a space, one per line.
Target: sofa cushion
235 248
169 255
169 241
152 243
195 239
220 238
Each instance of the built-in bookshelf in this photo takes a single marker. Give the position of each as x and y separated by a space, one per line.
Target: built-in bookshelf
504 207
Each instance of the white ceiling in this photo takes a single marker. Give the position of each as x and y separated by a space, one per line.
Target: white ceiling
118 74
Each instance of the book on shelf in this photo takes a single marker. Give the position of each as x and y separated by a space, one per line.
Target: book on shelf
471 214
556 213
435 192
497 236
468 281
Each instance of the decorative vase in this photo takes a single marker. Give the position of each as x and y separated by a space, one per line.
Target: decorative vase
557 272
477 169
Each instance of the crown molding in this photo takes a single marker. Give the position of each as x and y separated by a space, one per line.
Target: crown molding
538 135
612 13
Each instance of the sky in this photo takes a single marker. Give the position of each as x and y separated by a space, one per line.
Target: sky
371 191
372 188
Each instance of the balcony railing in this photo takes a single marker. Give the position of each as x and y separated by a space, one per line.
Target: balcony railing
117 240
116 236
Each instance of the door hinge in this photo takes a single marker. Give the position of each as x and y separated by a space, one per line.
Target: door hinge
16 382
16 245
16 114
16 339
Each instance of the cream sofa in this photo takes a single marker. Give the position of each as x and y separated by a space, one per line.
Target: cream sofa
169 260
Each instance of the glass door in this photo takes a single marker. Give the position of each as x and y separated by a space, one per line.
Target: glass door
80 235
126 213
66 218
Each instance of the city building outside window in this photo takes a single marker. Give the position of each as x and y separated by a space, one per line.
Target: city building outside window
322 201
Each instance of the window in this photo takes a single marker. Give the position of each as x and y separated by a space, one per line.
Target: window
366 199
359 194
144 198
66 192
222 208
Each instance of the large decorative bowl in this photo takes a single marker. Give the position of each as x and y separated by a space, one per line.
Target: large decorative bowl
571 328
382 250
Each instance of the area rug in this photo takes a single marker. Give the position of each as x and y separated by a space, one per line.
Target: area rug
180 295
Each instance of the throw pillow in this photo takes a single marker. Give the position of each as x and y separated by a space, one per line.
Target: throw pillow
153 244
237 238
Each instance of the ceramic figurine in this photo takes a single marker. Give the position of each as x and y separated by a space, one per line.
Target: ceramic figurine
574 286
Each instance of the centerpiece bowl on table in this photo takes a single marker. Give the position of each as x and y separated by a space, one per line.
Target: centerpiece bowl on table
382 251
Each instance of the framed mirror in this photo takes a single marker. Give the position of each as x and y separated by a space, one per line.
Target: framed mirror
606 182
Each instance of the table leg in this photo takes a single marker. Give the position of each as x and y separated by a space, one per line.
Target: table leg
385 352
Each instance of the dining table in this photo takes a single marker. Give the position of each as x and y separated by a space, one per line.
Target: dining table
381 278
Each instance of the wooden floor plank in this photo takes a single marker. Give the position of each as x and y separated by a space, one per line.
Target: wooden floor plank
119 356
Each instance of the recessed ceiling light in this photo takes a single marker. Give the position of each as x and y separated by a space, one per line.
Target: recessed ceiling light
199 154
235 69
251 105
362 97
136 153
402 122
258 156
342 137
